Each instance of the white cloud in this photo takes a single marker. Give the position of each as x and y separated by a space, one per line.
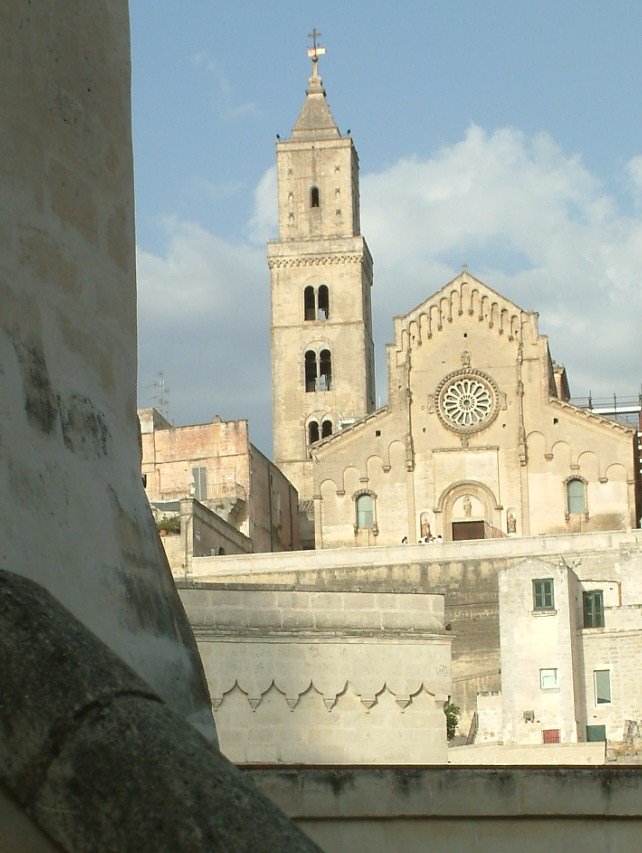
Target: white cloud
528 219
229 110
263 225
635 171
534 224
203 310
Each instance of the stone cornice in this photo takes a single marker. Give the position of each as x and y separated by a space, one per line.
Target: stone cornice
404 692
317 260
240 634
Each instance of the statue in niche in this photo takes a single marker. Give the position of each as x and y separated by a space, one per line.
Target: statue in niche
425 527
468 507
511 523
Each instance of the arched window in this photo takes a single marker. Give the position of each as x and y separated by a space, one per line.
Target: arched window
326 429
576 495
310 371
364 512
308 303
313 432
314 197
325 370
324 303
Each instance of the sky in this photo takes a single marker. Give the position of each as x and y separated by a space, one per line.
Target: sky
503 134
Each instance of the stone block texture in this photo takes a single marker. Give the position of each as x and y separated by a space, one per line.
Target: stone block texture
298 676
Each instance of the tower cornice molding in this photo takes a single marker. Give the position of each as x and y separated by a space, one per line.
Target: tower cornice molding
317 260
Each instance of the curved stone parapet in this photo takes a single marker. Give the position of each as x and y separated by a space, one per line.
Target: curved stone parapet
98 760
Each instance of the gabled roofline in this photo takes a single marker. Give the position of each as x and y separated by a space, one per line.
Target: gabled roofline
324 442
588 415
463 278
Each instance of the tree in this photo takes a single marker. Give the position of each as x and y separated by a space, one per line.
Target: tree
452 713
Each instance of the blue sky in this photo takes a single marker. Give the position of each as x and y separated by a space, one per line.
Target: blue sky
501 134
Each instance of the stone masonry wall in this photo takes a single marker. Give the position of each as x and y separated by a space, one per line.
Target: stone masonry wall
466 573
323 677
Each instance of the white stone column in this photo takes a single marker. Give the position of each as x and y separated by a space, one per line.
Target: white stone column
73 514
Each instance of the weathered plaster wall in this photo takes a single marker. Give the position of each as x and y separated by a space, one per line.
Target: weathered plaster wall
273 507
532 640
74 515
556 638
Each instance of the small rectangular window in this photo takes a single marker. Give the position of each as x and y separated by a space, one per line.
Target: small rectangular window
543 596
593 608
547 678
602 686
199 476
551 735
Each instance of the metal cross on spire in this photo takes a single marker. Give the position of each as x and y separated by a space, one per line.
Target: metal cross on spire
315 51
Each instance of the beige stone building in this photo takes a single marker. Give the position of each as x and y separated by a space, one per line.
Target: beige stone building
215 465
479 438
571 645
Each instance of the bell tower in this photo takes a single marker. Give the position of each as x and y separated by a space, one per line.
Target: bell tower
321 275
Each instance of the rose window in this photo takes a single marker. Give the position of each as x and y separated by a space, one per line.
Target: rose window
467 400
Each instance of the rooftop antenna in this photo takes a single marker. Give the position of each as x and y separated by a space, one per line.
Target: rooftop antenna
160 395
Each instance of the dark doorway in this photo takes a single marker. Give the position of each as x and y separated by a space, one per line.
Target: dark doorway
467 530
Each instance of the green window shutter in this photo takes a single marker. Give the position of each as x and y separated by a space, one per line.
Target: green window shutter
593 609
543 594
595 733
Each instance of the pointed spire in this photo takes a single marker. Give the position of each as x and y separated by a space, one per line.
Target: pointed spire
315 119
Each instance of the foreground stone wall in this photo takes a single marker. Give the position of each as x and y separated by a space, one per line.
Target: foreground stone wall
74 515
298 676
460 808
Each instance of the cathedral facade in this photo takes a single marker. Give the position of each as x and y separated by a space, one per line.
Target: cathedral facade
478 439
